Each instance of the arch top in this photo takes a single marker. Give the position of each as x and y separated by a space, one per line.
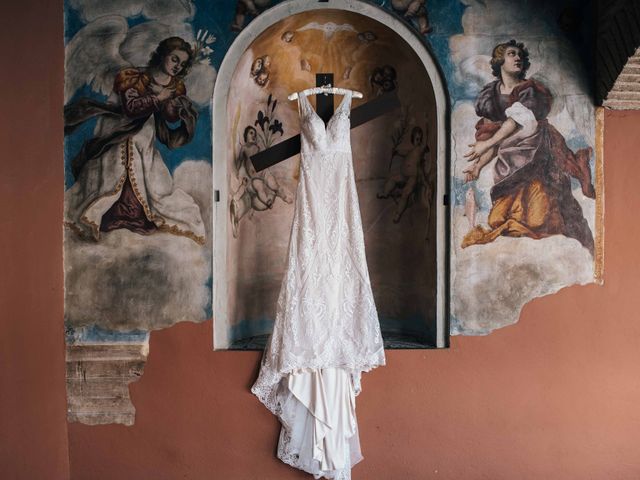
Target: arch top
292 7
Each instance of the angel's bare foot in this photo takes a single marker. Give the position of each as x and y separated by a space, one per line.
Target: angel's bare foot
473 236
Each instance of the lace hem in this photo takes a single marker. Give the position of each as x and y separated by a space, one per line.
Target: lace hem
306 409
268 382
292 459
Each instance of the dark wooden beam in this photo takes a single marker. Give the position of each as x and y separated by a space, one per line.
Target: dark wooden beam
290 147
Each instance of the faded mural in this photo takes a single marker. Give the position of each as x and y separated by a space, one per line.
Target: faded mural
525 183
523 188
138 83
138 199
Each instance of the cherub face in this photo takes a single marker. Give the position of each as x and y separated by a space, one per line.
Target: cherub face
367 36
262 78
256 67
251 135
175 62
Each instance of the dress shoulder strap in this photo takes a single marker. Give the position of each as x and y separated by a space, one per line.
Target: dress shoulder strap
303 104
345 104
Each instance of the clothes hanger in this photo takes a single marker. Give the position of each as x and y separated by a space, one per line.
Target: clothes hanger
326 90
359 115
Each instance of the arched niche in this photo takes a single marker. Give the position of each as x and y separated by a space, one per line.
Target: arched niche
407 256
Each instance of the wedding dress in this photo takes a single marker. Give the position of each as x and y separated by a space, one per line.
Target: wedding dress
326 331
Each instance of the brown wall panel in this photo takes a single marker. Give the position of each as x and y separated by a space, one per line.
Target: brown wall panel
33 429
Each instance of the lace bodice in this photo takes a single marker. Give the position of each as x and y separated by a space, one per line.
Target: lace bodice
316 138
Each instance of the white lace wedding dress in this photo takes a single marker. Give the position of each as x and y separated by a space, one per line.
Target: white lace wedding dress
326 331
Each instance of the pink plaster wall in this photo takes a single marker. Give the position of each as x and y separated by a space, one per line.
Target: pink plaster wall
555 396
33 429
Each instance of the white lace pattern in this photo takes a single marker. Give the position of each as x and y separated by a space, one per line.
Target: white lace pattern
326 316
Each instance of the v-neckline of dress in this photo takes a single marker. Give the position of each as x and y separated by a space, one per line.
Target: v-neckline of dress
335 114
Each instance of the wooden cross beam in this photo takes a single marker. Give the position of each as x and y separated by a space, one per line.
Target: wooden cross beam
324 102
324 108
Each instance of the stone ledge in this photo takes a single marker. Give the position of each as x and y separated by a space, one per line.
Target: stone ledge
98 378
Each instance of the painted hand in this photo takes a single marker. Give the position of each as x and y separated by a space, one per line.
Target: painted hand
471 172
477 150
166 93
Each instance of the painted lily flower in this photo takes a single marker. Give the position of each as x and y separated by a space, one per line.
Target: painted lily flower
276 127
262 120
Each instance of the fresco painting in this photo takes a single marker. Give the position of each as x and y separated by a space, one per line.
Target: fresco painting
139 78
413 182
247 10
257 191
138 203
137 216
394 170
415 11
531 195
524 193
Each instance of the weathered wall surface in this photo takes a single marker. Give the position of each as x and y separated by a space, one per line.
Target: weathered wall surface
554 396
522 225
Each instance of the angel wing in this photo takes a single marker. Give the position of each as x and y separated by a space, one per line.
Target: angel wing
92 57
140 41
474 72
570 102
328 28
